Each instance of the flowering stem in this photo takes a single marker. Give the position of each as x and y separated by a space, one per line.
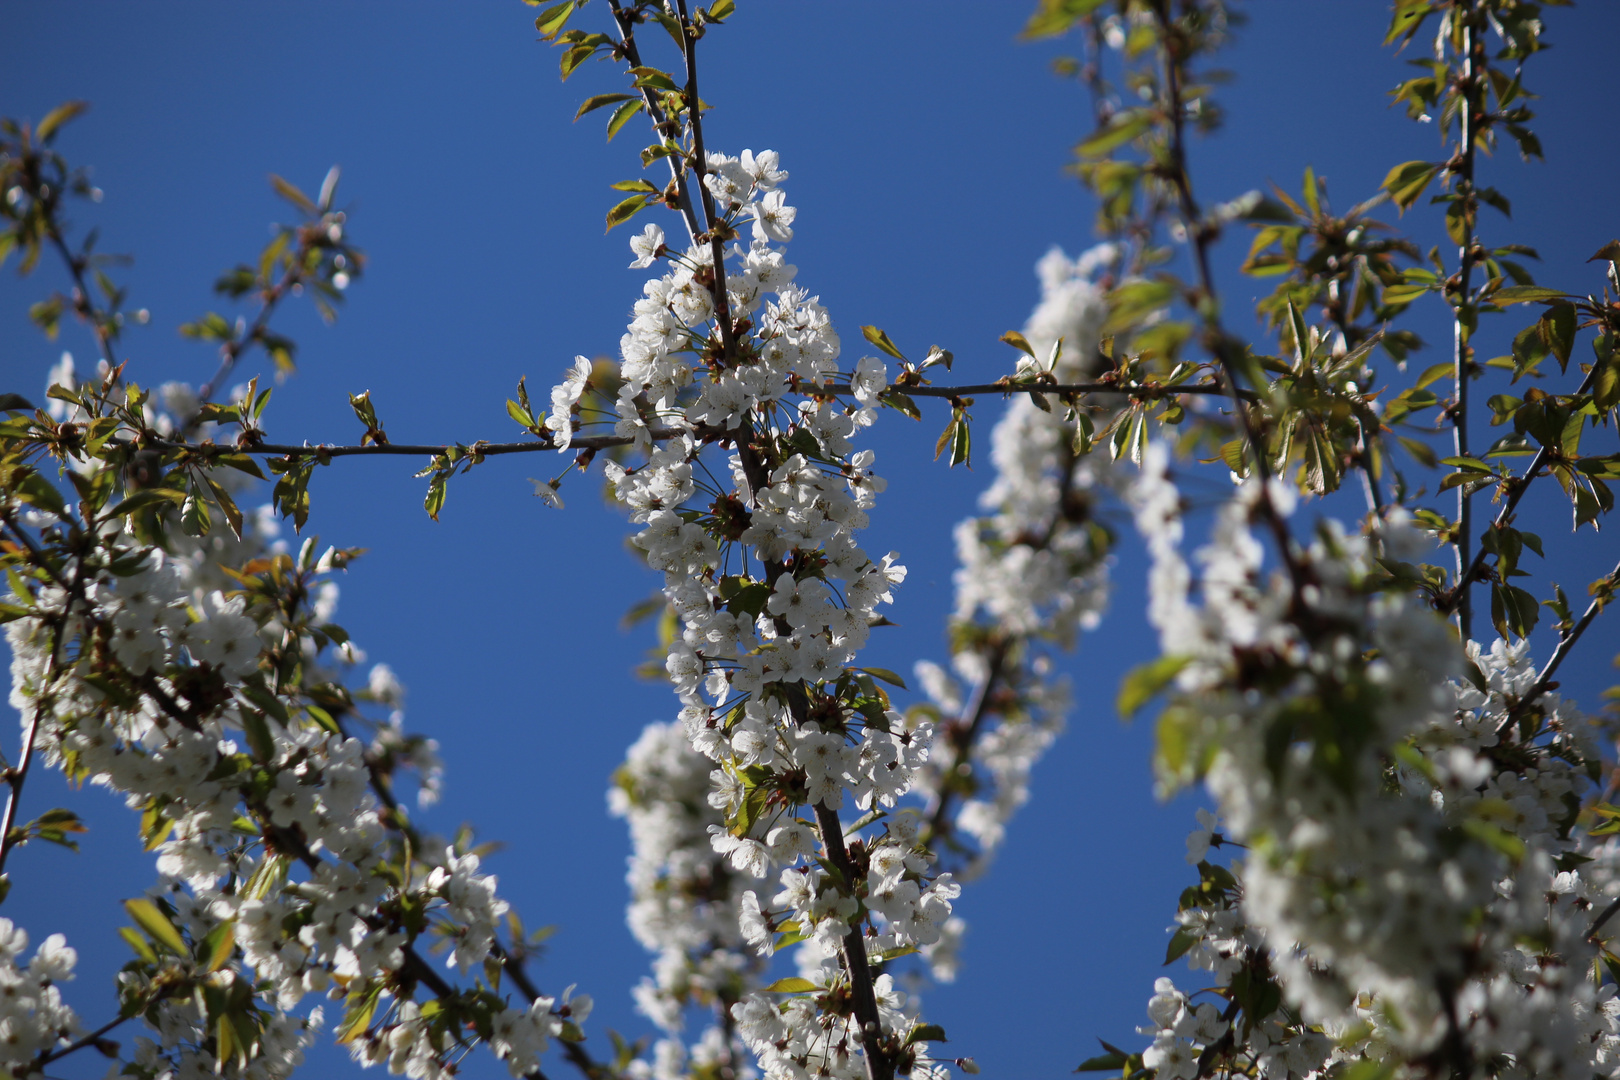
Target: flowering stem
48 1056
878 1064
17 775
511 963
717 246
962 735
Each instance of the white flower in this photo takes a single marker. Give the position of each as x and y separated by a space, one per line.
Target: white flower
646 246
564 396
773 219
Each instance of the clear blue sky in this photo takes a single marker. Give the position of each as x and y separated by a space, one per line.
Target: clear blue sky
926 149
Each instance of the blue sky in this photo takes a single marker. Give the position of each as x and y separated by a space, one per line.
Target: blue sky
926 148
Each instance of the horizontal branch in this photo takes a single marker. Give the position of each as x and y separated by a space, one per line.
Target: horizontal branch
485 449
1141 390
602 442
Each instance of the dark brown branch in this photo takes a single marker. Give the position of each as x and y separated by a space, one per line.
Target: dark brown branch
599 442
1451 600
1145 390
966 731
232 350
627 44
879 1065
711 219
1544 681
1471 86
81 292
46 1057
1216 340
591 442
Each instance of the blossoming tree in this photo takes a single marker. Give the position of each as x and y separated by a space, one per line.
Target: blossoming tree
1408 871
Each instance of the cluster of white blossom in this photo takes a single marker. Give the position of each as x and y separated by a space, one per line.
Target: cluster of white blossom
1413 882
33 1017
154 673
762 664
1035 572
685 900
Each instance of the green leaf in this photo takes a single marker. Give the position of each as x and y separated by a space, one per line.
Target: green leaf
962 444
626 210
1512 608
1434 374
926 1033
1054 17
1406 182
1116 133
551 21
1018 341
1146 681
1405 294
1369 1070
1180 942
293 195
194 516
792 985
597 101
362 1003
35 490
150 918
58 116
1114 1059
138 943
886 675
216 949
1557 330
15 403
1521 294
881 340
435 497
621 116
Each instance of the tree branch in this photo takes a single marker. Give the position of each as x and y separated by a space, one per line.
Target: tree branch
1454 597
1472 89
683 196
1215 336
16 776
1544 681
717 245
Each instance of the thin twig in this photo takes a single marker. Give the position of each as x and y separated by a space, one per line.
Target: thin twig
17 775
1543 681
48 1056
81 292
1451 599
971 720
627 43
233 350
1215 336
